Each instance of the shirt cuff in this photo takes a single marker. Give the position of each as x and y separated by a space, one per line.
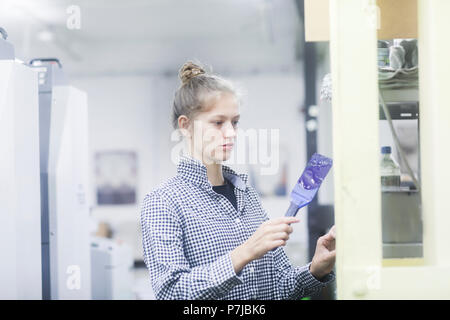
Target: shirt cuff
323 281
224 275
310 283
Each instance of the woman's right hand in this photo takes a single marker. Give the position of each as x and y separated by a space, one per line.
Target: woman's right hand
270 235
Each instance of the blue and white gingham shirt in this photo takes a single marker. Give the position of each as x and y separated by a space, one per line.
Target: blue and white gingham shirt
189 231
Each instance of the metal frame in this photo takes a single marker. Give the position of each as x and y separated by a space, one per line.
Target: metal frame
320 217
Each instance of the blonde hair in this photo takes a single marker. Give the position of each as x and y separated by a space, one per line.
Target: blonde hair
197 87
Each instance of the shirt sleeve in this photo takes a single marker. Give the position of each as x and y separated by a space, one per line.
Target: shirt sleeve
171 276
296 282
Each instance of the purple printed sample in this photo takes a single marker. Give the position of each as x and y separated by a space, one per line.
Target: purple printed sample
316 170
308 184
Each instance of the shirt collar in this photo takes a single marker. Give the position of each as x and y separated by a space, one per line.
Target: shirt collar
195 171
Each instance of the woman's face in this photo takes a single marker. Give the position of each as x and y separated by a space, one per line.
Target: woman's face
213 130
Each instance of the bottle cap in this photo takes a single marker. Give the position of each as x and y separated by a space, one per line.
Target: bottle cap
385 150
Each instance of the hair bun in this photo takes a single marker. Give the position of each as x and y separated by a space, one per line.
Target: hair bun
189 70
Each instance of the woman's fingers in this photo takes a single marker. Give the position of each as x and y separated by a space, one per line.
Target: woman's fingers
332 231
281 224
275 244
283 220
271 234
280 236
281 228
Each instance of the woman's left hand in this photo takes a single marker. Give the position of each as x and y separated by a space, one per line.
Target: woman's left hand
325 255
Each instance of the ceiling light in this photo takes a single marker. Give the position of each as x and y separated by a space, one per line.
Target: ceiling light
45 36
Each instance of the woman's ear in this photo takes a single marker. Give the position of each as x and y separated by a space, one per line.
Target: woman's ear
184 125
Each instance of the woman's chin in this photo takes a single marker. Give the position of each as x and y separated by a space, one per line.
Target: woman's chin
222 155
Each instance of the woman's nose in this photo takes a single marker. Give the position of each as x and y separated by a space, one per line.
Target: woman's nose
229 131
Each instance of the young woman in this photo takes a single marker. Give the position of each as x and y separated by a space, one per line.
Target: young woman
205 233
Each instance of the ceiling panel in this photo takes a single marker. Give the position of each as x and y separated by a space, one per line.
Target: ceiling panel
144 36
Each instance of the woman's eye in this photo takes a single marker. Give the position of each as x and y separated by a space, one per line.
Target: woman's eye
219 123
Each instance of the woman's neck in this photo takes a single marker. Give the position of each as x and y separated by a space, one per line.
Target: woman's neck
213 171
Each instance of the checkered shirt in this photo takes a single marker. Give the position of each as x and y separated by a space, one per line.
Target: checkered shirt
189 232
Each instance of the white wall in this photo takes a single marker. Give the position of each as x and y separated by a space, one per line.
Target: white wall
132 113
123 116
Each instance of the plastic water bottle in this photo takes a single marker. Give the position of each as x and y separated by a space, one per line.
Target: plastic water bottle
390 170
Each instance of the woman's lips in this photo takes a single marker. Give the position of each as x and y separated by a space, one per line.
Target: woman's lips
227 146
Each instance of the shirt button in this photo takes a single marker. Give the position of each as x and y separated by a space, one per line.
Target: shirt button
251 269
237 220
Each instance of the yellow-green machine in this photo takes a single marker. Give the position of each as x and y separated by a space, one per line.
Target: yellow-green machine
391 244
